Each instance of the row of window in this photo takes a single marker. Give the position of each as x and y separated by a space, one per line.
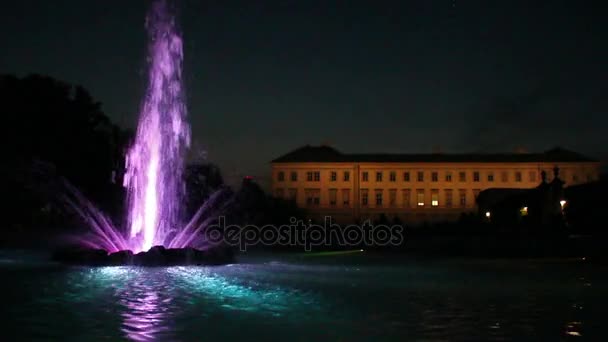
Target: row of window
315 176
312 197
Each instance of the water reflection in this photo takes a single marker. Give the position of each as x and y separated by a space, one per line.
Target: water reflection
416 301
151 299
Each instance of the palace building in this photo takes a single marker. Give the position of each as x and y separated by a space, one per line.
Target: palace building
412 187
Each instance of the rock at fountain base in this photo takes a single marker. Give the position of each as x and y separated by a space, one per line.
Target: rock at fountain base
156 256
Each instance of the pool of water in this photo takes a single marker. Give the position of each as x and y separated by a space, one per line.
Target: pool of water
343 297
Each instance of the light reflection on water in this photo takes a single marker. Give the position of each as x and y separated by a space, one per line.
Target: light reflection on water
457 300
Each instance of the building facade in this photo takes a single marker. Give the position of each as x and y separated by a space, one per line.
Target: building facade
412 187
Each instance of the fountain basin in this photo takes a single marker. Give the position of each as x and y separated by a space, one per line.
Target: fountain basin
156 256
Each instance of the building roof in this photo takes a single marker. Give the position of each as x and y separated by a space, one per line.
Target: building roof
327 154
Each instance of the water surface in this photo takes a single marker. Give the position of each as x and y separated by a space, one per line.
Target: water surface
346 298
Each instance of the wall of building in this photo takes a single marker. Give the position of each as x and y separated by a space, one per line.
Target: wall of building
343 197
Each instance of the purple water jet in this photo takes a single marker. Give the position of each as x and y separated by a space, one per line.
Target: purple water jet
155 161
154 169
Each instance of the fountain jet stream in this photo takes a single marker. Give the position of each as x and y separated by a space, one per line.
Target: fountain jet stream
155 161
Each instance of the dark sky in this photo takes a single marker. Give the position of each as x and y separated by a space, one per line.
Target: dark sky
265 77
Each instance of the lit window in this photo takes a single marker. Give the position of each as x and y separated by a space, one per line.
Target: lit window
420 198
435 198
523 211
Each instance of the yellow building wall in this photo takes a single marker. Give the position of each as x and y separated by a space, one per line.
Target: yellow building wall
571 173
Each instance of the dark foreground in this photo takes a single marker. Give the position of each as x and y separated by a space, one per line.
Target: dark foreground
361 296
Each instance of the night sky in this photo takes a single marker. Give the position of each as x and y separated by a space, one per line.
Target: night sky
265 77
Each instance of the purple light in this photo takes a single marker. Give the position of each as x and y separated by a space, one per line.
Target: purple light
155 161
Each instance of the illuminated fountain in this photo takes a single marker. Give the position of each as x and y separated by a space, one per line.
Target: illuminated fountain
155 161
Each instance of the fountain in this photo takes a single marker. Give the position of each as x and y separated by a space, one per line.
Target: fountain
153 177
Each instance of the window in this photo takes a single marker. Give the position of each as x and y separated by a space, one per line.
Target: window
475 194
346 197
365 176
434 176
294 176
504 176
378 198
309 176
406 176
312 197
490 176
281 176
420 198
333 197
392 197
293 194
462 176
462 194
346 176
364 197
448 198
574 178
333 176
279 193
448 176
379 176
476 176
317 176
532 176
392 176
434 197
518 176
420 176
407 194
